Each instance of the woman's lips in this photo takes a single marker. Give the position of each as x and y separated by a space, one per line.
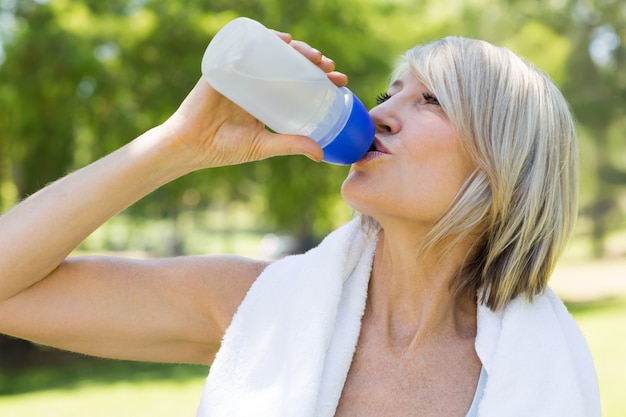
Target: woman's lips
377 146
375 151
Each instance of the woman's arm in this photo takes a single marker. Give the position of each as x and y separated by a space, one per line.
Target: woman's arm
171 310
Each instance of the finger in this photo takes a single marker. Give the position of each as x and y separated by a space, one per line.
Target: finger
280 144
312 54
326 64
338 78
283 35
308 51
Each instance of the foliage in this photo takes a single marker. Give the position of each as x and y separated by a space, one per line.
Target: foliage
82 77
101 73
593 79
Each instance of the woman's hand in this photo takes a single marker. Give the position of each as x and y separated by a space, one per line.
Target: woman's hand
179 308
213 131
316 57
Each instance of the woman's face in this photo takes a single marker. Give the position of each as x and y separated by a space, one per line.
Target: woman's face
418 165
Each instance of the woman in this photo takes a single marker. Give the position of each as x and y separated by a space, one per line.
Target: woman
433 306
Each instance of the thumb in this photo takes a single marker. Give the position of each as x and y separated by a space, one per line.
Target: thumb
283 144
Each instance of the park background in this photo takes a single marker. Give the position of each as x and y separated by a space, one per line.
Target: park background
79 78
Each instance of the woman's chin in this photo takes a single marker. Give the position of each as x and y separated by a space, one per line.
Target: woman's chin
359 204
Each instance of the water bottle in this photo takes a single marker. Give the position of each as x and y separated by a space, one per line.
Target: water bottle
262 74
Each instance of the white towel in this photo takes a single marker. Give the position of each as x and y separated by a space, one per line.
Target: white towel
289 347
537 361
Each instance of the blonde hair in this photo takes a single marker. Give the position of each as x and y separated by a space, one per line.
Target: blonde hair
522 198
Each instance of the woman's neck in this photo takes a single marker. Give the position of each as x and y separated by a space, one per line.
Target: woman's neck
410 289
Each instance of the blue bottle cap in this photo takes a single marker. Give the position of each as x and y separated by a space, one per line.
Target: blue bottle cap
356 137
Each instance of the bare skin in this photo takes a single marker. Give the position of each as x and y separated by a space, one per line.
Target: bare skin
413 358
173 310
415 354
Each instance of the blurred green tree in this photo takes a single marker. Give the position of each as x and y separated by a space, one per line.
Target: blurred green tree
582 46
81 77
593 79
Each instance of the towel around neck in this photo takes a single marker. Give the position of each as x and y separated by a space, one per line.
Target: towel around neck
289 347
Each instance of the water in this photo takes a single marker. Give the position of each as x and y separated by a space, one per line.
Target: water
310 107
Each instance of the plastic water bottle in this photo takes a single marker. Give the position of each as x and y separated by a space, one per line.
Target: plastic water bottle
262 74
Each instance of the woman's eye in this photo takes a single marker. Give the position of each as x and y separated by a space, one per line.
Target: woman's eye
382 97
430 99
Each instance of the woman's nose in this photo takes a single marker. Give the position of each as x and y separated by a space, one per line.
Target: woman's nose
384 120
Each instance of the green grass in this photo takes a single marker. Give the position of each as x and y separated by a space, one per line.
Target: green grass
604 326
99 388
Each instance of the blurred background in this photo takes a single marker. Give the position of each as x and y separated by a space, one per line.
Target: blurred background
80 78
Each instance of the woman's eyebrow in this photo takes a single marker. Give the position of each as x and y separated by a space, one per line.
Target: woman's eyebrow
397 84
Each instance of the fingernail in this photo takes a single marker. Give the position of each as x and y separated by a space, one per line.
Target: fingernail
311 157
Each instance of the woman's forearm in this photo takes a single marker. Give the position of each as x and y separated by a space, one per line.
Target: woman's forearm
206 131
37 234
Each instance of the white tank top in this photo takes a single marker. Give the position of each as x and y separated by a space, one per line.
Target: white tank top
480 390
